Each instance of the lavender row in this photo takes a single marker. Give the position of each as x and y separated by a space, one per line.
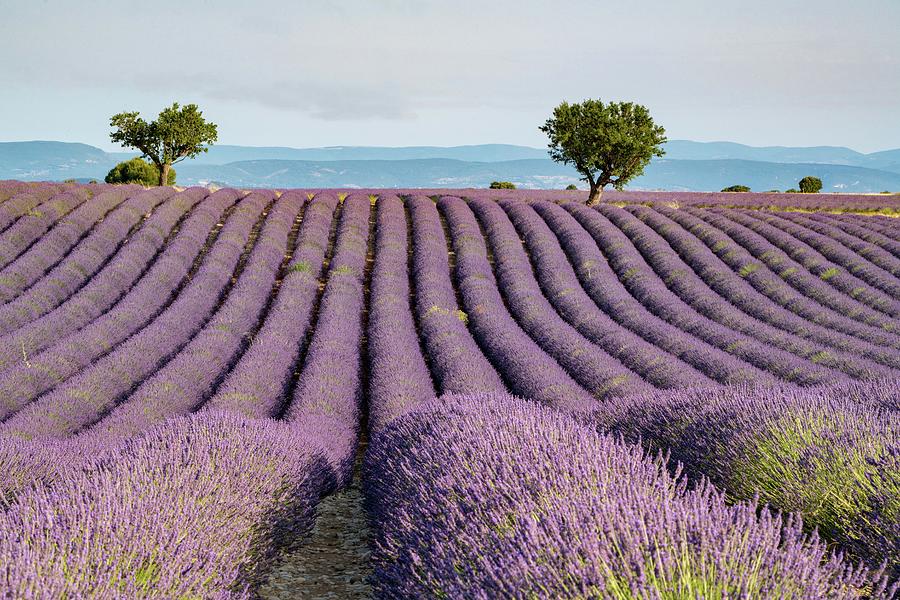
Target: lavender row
82 264
886 226
77 350
820 453
456 360
107 286
561 286
83 399
328 395
558 511
527 369
258 384
194 509
622 250
51 248
188 379
32 225
399 379
831 304
878 257
703 280
604 287
588 364
25 200
856 226
837 253
814 262
8 189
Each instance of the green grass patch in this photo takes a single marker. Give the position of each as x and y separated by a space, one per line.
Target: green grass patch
829 273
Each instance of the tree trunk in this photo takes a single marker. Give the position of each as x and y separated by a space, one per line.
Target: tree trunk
594 197
164 174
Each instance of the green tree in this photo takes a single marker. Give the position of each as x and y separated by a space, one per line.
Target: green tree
571 186
137 170
176 134
736 188
810 185
502 185
792 191
609 144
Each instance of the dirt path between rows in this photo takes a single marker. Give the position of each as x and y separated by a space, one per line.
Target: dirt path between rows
334 562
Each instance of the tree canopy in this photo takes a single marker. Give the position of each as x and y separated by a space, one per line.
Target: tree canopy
736 188
608 143
177 133
502 185
137 170
810 185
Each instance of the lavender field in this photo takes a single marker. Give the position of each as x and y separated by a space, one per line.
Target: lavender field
673 395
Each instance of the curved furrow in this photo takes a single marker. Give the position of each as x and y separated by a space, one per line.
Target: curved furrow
834 251
604 287
867 323
110 283
587 363
76 271
83 398
527 369
876 256
33 224
399 379
561 286
456 361
710 286
889 227
190 376
56 244
856 228
649 288
24 201
258 384
329 393
817 264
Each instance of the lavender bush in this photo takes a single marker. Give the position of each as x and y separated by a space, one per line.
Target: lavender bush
832 455
489 496
193 509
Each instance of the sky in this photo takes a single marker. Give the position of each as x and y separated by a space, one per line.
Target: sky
429 72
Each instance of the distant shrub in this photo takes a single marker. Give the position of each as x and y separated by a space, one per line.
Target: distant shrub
502 185
137 170
736 188
571 186
773 191
810 185
69 181
792 191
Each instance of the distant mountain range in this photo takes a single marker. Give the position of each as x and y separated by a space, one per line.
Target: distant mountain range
687 165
